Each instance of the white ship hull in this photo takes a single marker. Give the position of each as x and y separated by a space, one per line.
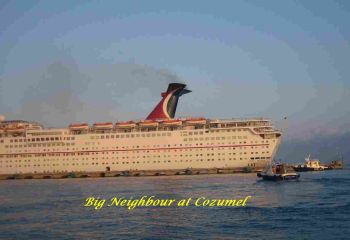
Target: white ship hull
60 151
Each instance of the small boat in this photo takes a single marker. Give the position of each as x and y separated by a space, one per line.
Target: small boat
196 121
172 122
310 165
79 126
128 124
15 129
337 163
103 126
278 172
148 123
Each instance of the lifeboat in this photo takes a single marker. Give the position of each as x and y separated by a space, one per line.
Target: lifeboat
103 126
129 124
148 123
15 129
79 126
172 122
196 121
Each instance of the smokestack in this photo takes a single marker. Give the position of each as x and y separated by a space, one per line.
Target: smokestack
166 108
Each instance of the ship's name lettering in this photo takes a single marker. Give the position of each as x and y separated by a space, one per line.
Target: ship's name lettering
152 201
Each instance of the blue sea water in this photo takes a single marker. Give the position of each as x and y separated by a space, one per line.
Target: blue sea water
316 207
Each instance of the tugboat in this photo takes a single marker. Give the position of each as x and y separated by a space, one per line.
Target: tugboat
311 165
337 164
278 172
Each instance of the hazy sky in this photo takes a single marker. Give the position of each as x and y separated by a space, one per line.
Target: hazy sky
66 61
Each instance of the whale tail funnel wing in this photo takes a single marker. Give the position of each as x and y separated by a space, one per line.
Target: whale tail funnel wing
166 108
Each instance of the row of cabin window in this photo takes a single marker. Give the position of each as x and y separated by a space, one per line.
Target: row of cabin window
116 152
41 139
40 145
106 163
148 156
215 138
132 151
213 131
130 135
123 136
73 144
119 136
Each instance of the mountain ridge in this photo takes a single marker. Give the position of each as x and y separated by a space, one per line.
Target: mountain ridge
326 148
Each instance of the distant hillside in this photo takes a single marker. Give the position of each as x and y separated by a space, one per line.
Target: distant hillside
325 148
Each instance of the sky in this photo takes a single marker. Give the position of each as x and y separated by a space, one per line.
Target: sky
87 61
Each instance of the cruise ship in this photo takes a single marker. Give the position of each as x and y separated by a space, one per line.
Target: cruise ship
158 143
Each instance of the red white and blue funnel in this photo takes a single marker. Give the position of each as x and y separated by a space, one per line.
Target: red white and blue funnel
166 108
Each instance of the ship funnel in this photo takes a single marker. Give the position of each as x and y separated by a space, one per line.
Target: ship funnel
166 108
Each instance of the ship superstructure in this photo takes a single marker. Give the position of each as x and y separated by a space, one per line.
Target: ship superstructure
161 142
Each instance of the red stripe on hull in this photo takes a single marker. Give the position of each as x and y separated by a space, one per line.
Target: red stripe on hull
141 149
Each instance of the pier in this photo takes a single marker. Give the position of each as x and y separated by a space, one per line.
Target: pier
130 173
